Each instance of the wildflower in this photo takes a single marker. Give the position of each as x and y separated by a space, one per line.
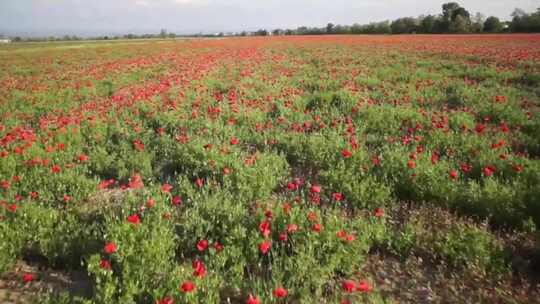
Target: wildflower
217 246
315 189
12 208
110 248
292 186
28 277
280 292
291 228
489 170
166 300
346 153
134 219
364 286
105 264
166 188
82 158
338 197
198 269
264 228
264 247
379 212
187 286
453 174
135 182
177 201
56 169
202 245
253 299
348 286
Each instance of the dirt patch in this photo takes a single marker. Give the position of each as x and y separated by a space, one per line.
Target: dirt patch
14 289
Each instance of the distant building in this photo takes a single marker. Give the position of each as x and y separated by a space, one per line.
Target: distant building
5 41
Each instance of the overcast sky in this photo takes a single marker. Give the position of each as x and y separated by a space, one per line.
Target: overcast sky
89 17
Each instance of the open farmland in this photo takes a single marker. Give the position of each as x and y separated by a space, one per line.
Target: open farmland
335 169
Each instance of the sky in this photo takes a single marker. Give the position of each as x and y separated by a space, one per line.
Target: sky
109 17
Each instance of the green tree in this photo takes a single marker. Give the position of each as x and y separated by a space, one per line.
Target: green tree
493 25
477 23
163 33
404 26
460 25
329 28
428 24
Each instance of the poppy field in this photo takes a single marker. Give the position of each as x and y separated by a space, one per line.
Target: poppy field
332 169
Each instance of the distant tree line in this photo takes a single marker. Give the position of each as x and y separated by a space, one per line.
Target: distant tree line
454 19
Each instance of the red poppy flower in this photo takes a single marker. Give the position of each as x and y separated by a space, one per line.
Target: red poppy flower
110 248
379 212
12 208
364 286
465 168
338 197
166 188
264 228
348 286
411 164
346 153
280 292
187 286
56 169
283 237
253 300
479 128
150 203
489 170
5 184
292 186
105 264
177 201
134 219
198 269
82 158
166 300
316 227
199 182
135 182
202 245
453 174
28 277
234 141
315 189
264 247
217 246
139 145
291 228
